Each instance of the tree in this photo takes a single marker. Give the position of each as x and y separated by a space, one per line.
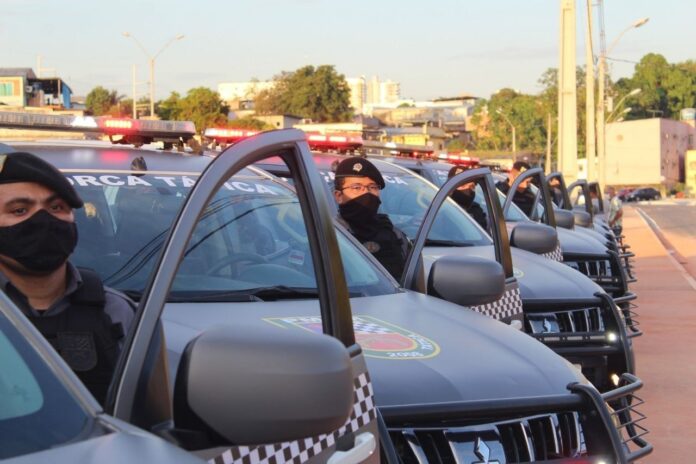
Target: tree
247 122
202 106
169 109
320 94
100 100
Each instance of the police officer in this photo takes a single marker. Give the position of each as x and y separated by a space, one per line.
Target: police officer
524 197
84 321
465 196
357 188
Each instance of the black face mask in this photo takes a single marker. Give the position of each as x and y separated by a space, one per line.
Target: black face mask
360 212
464 198
41 243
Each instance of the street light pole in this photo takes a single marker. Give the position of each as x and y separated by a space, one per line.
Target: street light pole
601 124
151 59
514 132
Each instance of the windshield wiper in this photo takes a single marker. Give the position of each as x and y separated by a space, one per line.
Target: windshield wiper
446 243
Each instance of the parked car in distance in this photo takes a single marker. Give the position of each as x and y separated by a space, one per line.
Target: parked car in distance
623 193
647 193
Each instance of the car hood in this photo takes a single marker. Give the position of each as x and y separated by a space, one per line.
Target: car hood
419 349
126 444
539 278
578 243
594 233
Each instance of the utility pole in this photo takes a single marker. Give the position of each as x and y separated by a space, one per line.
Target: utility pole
135 110
590 154
567 94
547 164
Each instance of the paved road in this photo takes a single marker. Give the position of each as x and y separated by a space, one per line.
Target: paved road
676 221
663 236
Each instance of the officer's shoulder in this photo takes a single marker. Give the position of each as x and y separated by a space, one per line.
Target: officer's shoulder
116 300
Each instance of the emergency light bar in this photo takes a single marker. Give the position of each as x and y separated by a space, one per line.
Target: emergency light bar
144 130
455 158
316 141
338 142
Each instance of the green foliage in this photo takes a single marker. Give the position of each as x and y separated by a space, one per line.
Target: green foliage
456 145
318 93
169 109
665 88
200 105
250 123
100 100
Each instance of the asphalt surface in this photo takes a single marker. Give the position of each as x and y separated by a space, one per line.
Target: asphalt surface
663 237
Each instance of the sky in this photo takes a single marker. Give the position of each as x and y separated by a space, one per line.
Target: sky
433 48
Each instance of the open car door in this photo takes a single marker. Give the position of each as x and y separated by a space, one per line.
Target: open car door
448 277
253 394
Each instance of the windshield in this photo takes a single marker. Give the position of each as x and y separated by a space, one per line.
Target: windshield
405 199
250 244
36 411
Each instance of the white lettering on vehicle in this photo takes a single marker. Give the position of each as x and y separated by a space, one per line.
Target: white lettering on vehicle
168 180
111 180
84 181
171 181
187 181
394 180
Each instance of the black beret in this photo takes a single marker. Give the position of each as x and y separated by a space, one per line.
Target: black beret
520 166
25 167
359 167
456 170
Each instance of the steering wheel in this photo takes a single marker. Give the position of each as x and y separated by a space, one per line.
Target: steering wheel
230 260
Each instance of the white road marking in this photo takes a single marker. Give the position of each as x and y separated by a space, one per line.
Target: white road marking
652 225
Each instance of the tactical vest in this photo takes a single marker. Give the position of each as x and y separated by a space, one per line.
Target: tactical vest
85 336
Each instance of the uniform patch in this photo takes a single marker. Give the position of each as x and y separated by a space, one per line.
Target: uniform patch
372 247
78 350
378 339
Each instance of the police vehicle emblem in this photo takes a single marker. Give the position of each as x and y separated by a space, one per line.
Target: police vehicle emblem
378 339
357 167
483 452
372 247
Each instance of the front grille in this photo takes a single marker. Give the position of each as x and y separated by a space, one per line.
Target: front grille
566 323
606 272
529 439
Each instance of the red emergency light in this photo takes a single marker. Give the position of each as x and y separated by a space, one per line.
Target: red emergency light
334 142
118 126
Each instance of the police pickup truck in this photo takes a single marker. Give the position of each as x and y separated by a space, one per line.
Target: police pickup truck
233 247
555 304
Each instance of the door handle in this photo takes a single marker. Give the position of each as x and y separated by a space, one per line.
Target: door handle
365 445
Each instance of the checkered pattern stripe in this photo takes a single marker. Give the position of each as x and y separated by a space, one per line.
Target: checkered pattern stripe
555 255
297 452
508 306
368 327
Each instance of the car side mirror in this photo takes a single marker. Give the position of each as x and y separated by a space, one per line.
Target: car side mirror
536 238
256 385
467 281
564 218
582 218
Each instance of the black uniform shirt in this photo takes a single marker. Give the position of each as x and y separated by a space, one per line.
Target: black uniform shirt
524 200
118 307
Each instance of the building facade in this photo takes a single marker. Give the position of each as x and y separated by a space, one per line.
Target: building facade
648 152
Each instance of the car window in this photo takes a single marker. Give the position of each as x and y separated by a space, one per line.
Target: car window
251 237
36 411
405 199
